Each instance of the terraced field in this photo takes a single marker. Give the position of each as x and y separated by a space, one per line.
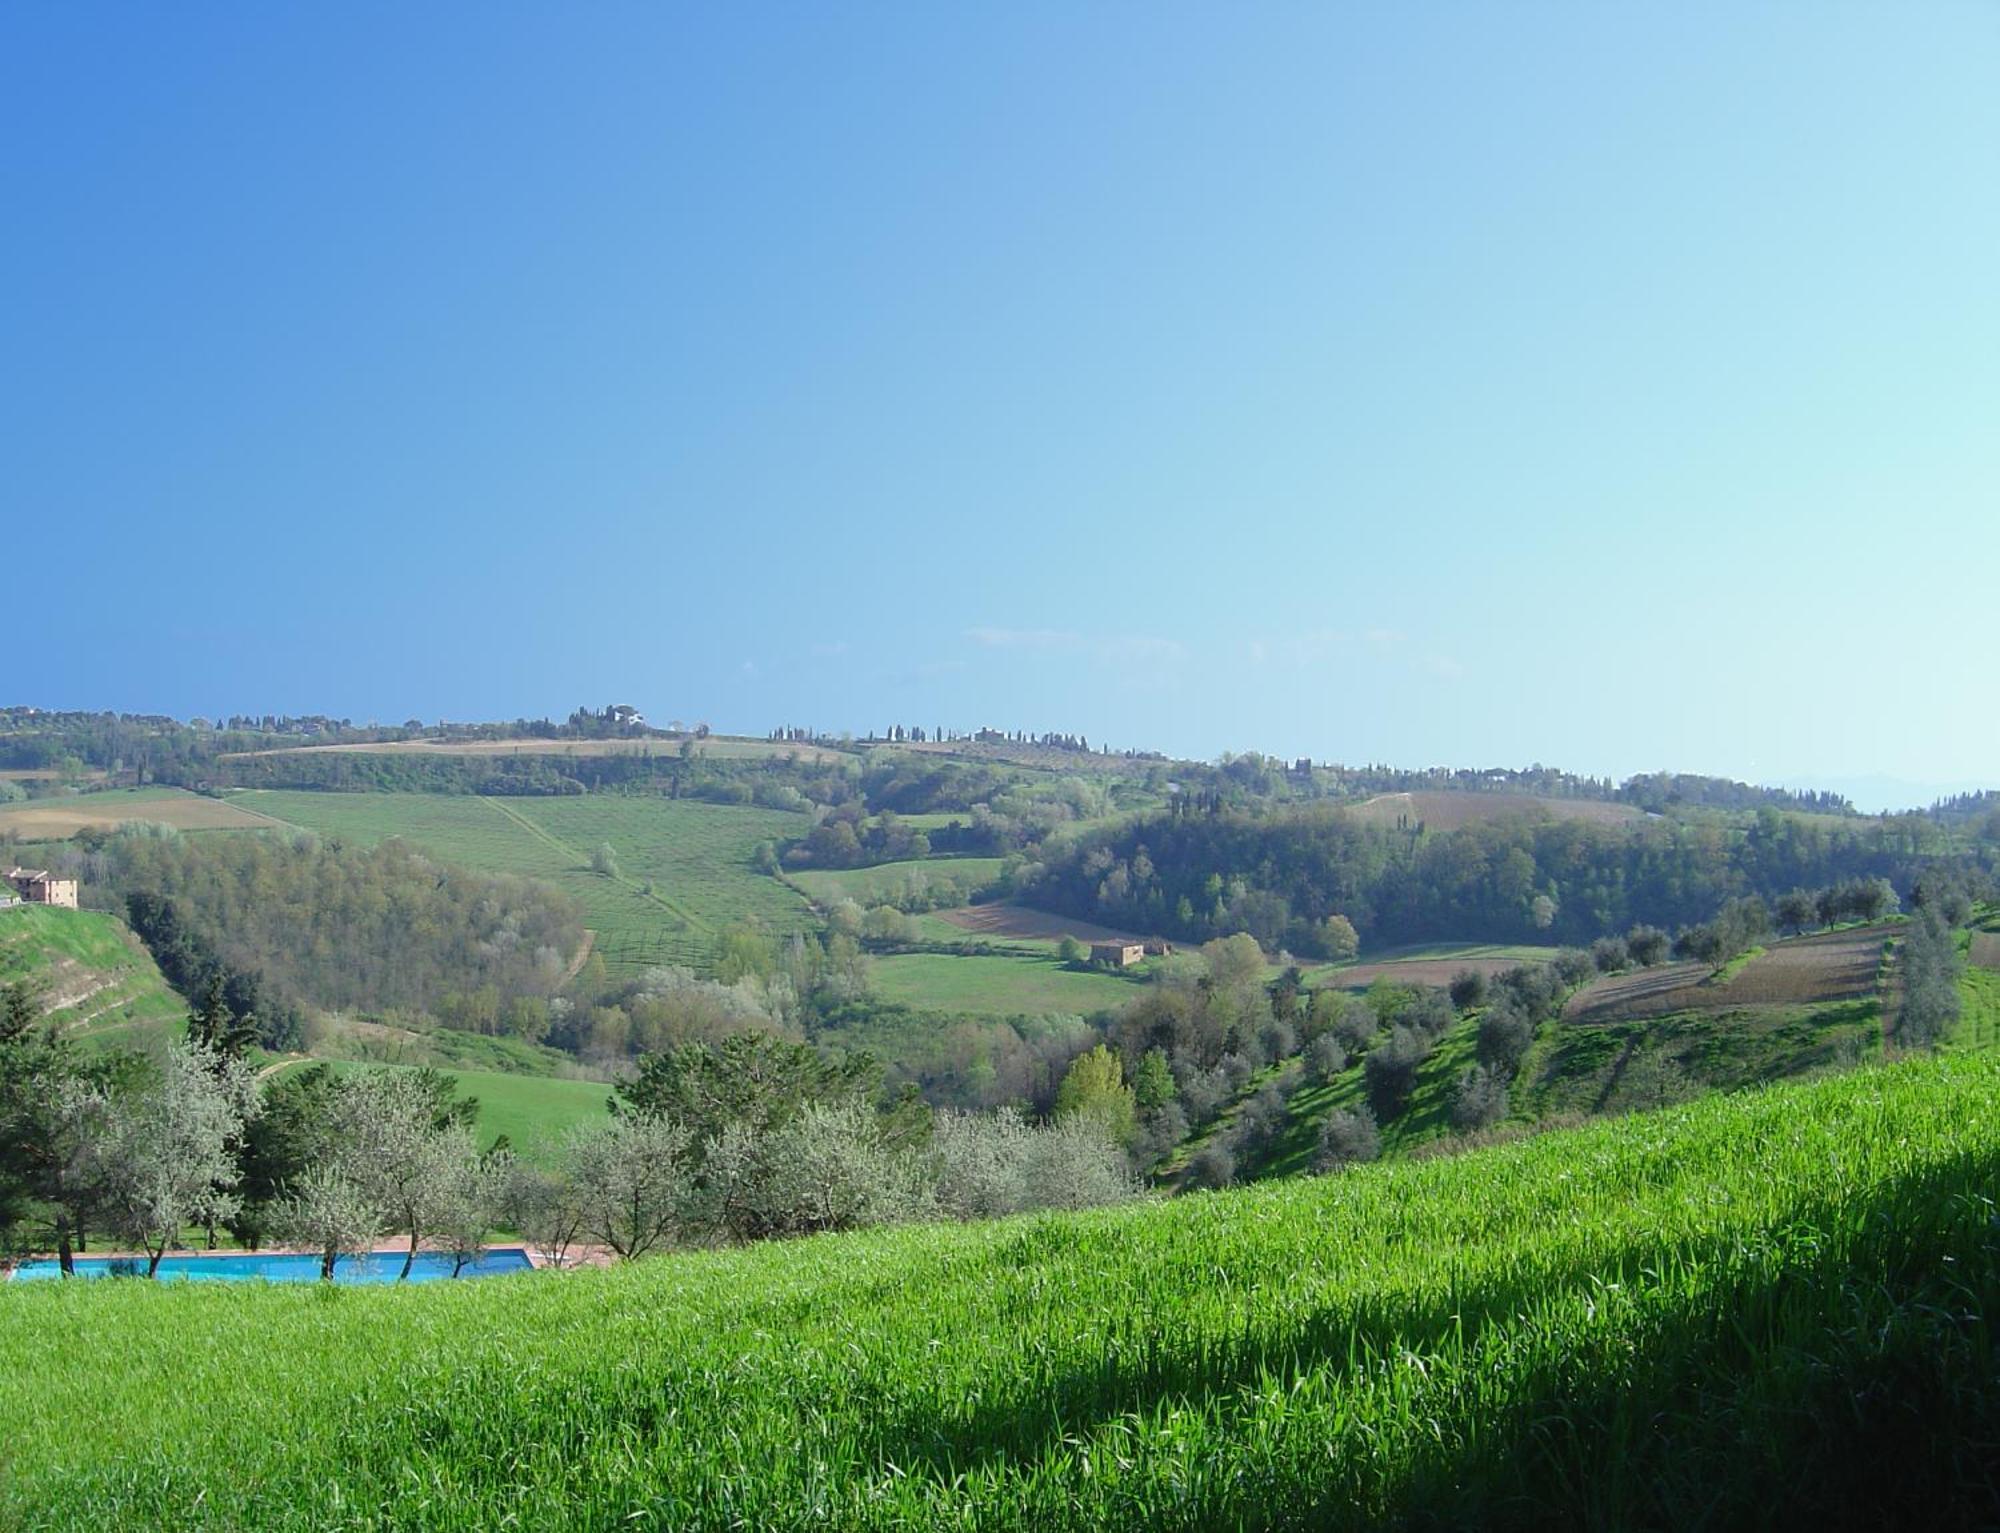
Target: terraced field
1433 963
1805 971
684 869
100 983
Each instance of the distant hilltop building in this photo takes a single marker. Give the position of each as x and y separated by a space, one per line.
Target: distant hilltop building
37 887
1117 955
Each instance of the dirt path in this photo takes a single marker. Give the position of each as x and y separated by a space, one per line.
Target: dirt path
276 1065
582 956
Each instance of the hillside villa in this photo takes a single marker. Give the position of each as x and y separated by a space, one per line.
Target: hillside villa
38 887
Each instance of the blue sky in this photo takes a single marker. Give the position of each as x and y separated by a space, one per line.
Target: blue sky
1609 385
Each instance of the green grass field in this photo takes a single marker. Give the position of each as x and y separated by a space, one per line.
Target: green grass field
695 856
1979 1018
995 986
531 1111
100 982
887 880
1694 1318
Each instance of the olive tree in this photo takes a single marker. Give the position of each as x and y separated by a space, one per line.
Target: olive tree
632 1175
831 1166
163 1154
547 1209
389 1141
327 1213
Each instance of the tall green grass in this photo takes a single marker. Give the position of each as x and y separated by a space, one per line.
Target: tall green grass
1769 1307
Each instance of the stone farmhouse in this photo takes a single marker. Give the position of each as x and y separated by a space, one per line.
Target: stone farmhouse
38 887
1117 955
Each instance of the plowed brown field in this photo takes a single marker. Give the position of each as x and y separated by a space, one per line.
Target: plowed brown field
1806 971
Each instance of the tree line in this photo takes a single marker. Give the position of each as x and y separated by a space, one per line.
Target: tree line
750 1137
308 922
1280 875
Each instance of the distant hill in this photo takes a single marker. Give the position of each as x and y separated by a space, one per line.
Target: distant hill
1452 810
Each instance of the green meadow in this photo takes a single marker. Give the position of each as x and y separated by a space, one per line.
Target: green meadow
1672 1319
994 986
954 877
530 1111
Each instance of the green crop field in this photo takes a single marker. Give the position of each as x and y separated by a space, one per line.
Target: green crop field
1979 1017
696 858
98 981
995 986
891 880
1774 1299
532 1111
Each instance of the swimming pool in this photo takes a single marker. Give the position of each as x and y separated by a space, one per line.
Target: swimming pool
248 1266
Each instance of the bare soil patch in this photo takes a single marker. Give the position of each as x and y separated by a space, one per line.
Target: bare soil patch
59 819
1986 950
1805 971
1009 920
1433 972
1453 811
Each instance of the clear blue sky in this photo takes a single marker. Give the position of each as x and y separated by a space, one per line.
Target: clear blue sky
1610 385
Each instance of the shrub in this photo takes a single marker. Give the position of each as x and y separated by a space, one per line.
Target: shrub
1480 1099
1505 1034
1575 966
1213 1166
1610 955
1390 1070
1646 946
1325 1058
1347 1138
1468 989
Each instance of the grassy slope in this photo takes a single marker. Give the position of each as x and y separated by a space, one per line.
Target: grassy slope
869 886
997 986
530 1110
116 992
1979 1020
696 856
1680 1319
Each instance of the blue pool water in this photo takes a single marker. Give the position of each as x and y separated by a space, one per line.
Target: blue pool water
241 1267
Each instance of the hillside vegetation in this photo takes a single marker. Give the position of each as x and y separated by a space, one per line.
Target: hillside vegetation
678 871
95 980
1673 1319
